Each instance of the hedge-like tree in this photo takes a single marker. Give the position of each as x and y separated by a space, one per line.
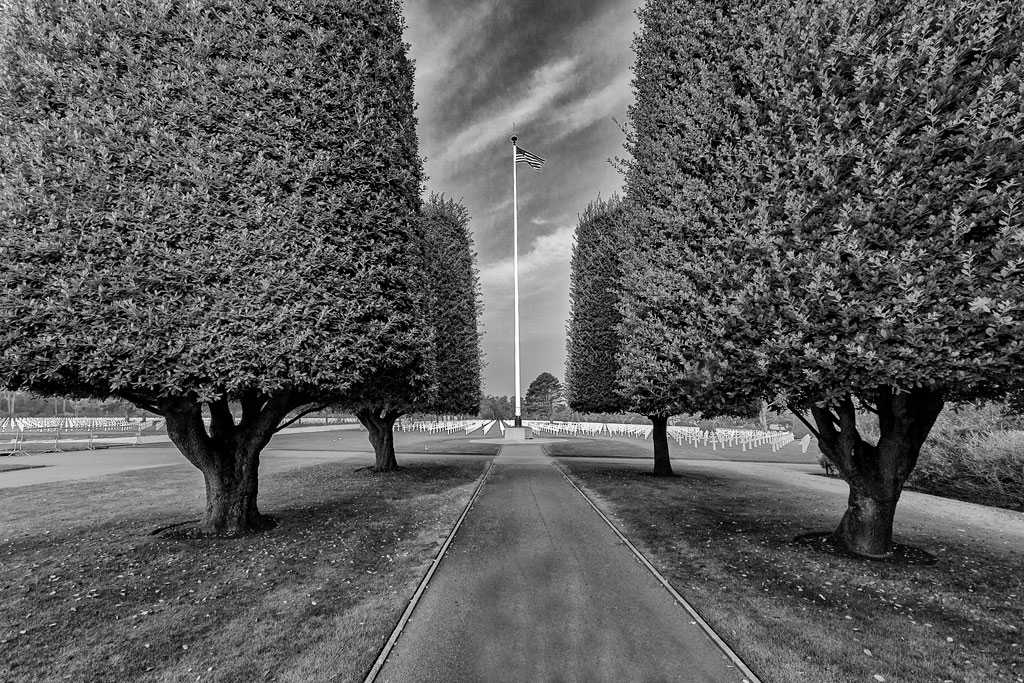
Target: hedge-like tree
208 210
592 340
902 285
866 250
591 367
680 182
450 296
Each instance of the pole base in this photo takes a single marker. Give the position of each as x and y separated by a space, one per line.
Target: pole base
518 433
519 421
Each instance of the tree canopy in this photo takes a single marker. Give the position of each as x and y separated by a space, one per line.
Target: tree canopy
684 189
591 382
454 306
205 203
832 217
496 408
222 204
543 396
449 295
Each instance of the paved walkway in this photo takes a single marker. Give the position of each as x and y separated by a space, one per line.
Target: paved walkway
536 587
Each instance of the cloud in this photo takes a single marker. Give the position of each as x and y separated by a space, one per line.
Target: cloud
449 38
560 70
608 101
547 257
546 85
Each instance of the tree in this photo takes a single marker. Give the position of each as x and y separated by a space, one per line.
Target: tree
454 304
496 408
852 235
591 368
592 339
679 183
450 291
209 211
543 395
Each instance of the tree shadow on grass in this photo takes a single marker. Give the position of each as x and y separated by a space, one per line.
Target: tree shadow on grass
427 479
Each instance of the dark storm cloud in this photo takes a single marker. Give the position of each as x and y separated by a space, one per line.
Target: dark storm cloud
560 72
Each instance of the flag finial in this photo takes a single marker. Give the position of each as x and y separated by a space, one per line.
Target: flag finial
514 139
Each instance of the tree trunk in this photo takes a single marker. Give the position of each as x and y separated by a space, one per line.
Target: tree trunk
229 458
232 486
662 463
866 527
876 473
380 425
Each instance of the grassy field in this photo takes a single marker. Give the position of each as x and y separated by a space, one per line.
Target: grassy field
797 614
355 440
88 594
642 449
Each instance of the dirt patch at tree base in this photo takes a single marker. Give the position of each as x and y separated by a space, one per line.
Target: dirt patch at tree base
826 542
190 530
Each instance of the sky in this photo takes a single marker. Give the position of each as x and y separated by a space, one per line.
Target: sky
559 70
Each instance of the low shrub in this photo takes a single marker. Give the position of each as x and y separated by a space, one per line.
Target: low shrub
982 467
973 453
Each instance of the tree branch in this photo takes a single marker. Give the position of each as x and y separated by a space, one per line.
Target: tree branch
828 437
799 416
141 403
302 414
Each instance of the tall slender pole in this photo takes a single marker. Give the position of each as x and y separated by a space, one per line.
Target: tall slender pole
515 278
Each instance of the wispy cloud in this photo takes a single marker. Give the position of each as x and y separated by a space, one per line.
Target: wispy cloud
548 254
547 84
610 100
560 71
453 34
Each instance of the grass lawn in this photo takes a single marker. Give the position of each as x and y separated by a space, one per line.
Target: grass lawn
643 449
796 614
352 440
88 594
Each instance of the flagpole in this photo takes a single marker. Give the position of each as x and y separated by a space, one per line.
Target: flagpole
515 279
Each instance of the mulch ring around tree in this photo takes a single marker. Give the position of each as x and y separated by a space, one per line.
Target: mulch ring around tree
905 555
189 530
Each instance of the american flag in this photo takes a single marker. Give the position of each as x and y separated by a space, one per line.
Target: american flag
528 157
